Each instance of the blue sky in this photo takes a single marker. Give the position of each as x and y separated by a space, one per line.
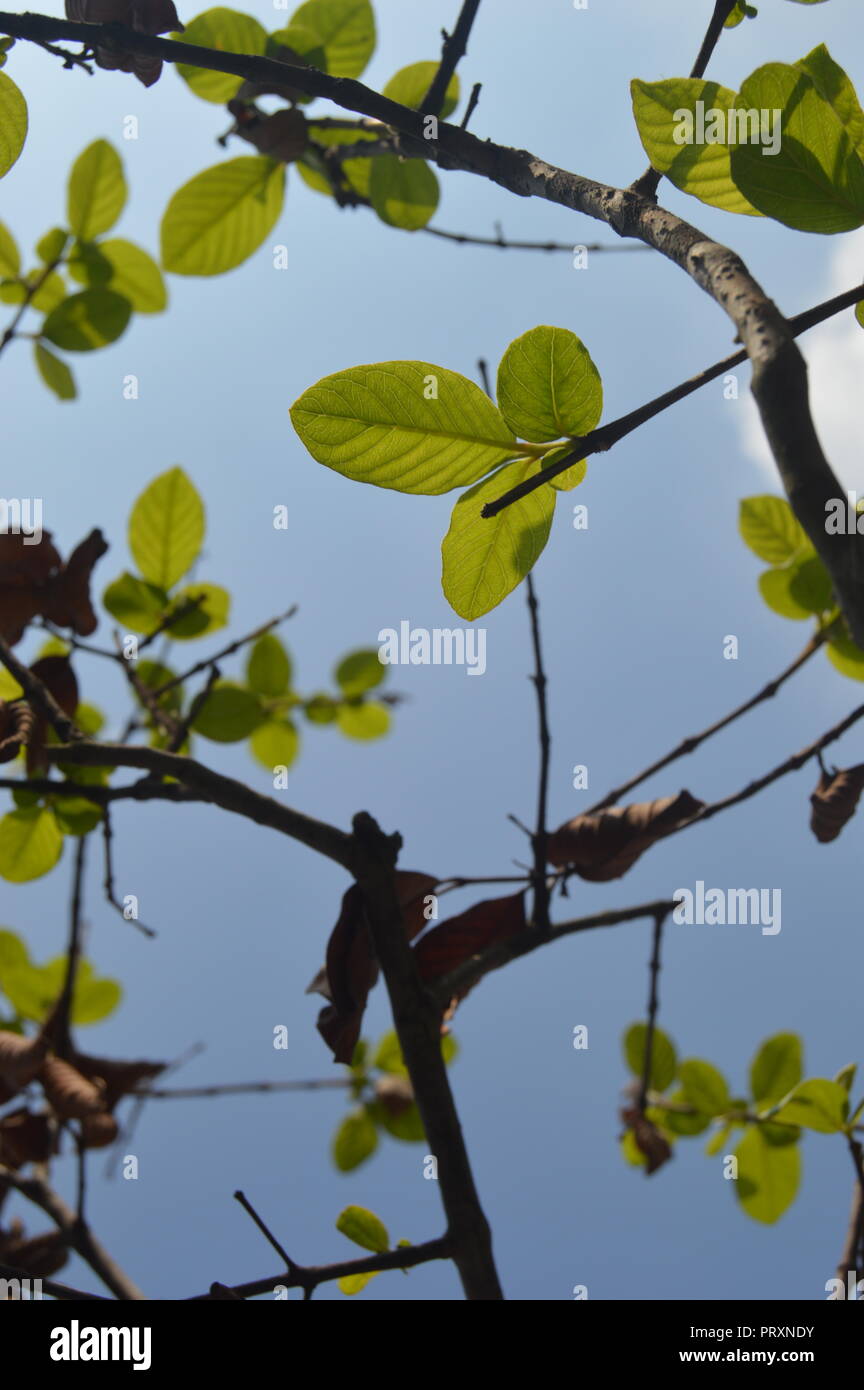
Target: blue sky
634 612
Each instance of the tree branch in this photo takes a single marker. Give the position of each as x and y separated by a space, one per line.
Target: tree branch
538 839
455 45
308 1277
689 745
417 1020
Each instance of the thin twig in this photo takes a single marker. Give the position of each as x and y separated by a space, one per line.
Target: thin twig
39 695
653 1005
539 838
309 1277
264 1229
689 745
232 647
455 45
241 1088
599 440
503 244
108 880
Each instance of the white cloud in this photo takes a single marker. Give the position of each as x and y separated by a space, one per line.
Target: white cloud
835 359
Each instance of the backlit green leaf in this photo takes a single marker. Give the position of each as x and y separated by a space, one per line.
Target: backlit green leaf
216 220
166 528
30 844
404 192
88 320
548 385
96 192
228 31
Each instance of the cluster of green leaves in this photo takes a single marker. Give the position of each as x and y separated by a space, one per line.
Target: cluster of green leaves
380 1093
369 1232
813 182
166 533
423 429
13 114
222 215
780 1105
119 278
30 991
797 585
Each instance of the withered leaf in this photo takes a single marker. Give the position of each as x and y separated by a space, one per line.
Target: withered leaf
34 582
351 969
459 938
115 1079
20 1059
98 1131
604 844
649 1140
39 1256
147 16
72 1096
16 728
835 801
56 674
25 1137
281 136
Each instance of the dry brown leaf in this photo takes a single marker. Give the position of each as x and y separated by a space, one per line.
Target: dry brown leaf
351 969
98 1131
39 1256
20 1059
649 1140
72 1096
459 938
604 844
35 582
395 1093
115 1079
56 674
147 16
281 136
25 1137
16 728
835 801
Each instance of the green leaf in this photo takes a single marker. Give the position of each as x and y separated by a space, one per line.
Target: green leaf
846 657
572 476
355 1140
717 1143
9 687
135 275
76 816
859 312
776 1067
548 385
89 719
833 84
815 181
359 671
661 110
846 1076
388 1055
268 668
483 559
96 192
364 1228
275 743
55 373
13 123
228 31
704 1086
404 192
13 951
51 246
33 990
321 709
30 844
365 720
353 1283
409 86
154 675
216 220
403 425
768 1177
10 258
357 171
741 11
770 528
88 320
405 1125
817 1104
230 713
677 1123
214 606
664 1059
775 586
87 265
345 29
139 606
166 528
51 292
